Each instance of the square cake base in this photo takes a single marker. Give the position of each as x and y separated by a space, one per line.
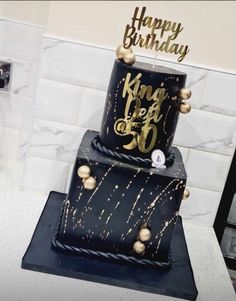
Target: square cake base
177 282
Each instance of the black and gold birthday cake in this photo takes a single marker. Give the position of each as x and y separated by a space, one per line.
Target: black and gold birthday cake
119 224
128 180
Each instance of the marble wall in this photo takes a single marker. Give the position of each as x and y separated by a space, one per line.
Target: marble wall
20 44
70 96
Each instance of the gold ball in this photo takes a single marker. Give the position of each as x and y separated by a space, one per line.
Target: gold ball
84 171
184 107
144 234
90 183
121 51
138 247
185 93
129 58
186 194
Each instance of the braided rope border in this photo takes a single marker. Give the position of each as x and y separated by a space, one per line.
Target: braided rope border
96 144
119 257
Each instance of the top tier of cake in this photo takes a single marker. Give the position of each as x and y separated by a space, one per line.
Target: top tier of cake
142 109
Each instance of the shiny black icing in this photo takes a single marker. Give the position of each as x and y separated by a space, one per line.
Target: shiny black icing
101 219
172 80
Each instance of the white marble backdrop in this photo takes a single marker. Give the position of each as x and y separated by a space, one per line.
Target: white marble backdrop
20 44
70 97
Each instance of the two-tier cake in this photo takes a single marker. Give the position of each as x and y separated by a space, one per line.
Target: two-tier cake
119 223
128 180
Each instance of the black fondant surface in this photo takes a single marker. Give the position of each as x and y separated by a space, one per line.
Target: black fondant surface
128 131
176 282
142 66
109 217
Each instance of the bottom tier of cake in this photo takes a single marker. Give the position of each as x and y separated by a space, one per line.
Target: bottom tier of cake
130 213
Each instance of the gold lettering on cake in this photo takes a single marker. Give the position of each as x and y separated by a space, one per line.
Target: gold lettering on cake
140 122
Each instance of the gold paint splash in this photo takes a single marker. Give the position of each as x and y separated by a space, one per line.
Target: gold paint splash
134 205
67 207
160 235
134 176
100 183
164 123
157 197
147 214
101 214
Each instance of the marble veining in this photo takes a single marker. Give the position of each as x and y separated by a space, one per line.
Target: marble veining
207 131
54 140
51 43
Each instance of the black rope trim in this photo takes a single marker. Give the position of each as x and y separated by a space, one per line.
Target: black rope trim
96 144
106 255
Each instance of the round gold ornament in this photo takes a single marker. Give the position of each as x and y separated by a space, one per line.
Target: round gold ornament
90 183
184 107
185 93
144 234
186 194
84 171
125 54
138 247
129 58
121 51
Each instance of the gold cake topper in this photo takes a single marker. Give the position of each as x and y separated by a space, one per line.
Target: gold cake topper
157 39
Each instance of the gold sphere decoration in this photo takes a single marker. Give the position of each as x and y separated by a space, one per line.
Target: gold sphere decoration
138 247
144 234
186 194
84 171
121 51
125 54
184 107
185 93
129 58
90 183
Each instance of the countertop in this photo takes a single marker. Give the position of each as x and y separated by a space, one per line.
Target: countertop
19 214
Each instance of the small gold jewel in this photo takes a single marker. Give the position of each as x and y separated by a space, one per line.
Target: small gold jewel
185 107
125 54
90 183
84 171
144 234
186 194
185 93
138 247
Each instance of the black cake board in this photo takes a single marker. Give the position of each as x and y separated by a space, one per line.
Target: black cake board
40 256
